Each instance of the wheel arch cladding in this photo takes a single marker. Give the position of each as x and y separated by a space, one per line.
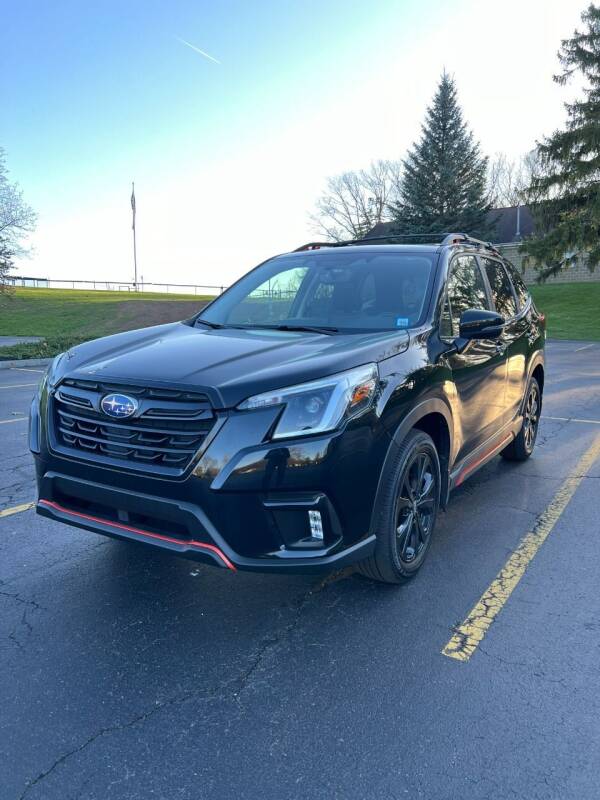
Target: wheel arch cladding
435 425
538 374
433 417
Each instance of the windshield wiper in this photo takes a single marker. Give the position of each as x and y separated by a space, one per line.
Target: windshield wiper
207 323
309 328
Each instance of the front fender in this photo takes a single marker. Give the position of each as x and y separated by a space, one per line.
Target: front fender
430 405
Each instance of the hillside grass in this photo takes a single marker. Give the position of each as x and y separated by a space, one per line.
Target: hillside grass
65 317
67 312
572 309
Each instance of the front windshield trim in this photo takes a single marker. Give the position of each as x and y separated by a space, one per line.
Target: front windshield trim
313 261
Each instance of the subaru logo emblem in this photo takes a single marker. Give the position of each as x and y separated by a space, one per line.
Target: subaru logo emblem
119 405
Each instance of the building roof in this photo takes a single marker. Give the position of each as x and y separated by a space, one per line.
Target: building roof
510 224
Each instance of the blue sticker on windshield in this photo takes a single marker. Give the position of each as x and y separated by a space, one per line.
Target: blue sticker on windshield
402 322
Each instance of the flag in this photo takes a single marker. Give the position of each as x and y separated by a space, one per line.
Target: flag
133 204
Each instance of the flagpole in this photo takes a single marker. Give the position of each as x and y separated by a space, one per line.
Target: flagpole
134 243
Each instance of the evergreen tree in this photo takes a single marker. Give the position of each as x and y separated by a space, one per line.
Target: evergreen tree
444 182
565 198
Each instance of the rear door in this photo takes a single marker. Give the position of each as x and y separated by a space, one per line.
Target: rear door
479 372
514 340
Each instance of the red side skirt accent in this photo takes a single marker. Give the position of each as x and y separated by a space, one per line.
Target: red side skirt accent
191 543
470 467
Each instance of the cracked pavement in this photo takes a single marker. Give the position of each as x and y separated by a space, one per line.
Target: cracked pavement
130 675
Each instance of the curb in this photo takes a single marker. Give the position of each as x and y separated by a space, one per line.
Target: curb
25 362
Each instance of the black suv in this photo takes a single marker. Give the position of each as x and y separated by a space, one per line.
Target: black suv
316 414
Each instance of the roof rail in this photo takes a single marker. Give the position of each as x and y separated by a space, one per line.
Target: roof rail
429 238
390 237
457 238
318 245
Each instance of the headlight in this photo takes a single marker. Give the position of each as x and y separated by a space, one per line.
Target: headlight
52 373
321 405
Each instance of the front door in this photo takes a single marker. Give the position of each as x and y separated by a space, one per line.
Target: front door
514 336
479 372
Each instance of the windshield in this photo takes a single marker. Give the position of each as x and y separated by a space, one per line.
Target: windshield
353 290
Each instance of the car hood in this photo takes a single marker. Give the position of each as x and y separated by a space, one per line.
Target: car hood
228 364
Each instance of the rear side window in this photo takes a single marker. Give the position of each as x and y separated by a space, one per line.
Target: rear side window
502 291
466 289
521 290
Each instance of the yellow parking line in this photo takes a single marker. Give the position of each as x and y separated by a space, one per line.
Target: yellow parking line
17 385
16 419
470 633
7 512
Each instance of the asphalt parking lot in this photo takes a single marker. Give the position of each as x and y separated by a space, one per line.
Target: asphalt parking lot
128 675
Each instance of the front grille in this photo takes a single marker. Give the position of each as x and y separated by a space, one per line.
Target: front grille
167 429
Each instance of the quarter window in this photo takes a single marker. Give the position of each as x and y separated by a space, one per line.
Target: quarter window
521 289
466 289
502 291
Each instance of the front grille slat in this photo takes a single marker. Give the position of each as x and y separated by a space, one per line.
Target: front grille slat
129 445
178 429
166 431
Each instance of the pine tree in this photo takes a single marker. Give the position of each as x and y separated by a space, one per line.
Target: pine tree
444 182
565 197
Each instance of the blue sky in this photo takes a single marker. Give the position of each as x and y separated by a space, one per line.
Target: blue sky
228 158
107 86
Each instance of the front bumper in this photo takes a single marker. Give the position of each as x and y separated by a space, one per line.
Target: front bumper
244 502
142 518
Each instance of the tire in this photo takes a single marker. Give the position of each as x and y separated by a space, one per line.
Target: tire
522 445
403 539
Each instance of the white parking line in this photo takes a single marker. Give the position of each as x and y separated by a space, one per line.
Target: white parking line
27 369
16 419
585 347
574 419
17 385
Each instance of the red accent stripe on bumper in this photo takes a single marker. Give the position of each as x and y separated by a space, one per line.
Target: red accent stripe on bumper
191 543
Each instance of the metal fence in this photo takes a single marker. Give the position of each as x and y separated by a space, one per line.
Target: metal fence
115 286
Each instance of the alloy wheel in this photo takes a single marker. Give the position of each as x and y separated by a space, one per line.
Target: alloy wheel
530 422
415 507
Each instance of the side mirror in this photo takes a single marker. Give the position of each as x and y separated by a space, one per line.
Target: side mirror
476 323
479 324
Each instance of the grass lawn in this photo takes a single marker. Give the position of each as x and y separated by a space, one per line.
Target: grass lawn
65 317
572 309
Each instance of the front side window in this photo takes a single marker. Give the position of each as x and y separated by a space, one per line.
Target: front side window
466 290
348 290
502 291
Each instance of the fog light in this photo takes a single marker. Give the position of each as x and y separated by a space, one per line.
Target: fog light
316 525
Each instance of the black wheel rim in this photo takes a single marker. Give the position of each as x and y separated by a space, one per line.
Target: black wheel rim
415 507
530 423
